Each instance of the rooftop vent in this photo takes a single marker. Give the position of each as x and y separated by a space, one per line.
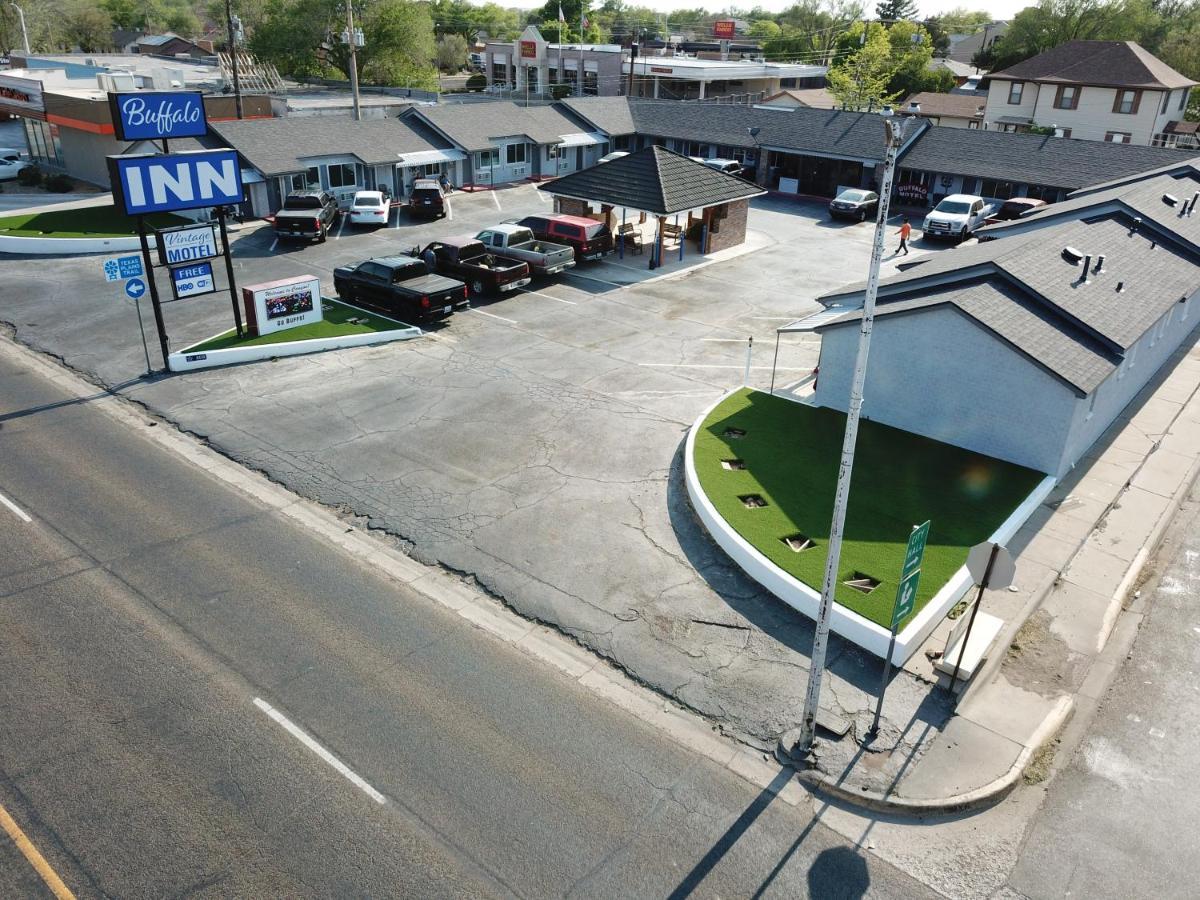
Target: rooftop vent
1170 199
1099 264
1137 223
1087 264
1071 255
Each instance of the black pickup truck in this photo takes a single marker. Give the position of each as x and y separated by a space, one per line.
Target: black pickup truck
400 287
467 259
307 215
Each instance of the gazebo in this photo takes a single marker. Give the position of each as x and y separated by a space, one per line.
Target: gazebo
656 182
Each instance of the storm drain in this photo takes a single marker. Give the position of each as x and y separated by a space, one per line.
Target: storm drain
733 464
735 433
752 501
798 543
861 582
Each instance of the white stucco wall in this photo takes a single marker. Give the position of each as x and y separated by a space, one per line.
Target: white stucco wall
937 373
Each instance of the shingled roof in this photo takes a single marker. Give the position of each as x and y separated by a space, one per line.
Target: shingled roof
1030 158
608 114
474 126
655 180
1106 63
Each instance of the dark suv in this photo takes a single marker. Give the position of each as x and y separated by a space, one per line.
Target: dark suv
427 198
590 239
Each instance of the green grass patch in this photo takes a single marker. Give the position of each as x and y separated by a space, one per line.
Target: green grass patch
85 222
340 320
791 454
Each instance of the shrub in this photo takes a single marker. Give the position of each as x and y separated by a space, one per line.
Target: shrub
30 176
558 91
59 184
477 82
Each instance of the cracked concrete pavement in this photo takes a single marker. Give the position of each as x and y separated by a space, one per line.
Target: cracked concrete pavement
537 452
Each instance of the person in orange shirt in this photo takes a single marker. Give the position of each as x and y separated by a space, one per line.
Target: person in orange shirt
904 232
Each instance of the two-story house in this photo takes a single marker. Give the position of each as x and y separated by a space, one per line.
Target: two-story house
1091 90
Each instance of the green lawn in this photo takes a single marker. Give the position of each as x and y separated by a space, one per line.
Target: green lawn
337 323
791 453
88 221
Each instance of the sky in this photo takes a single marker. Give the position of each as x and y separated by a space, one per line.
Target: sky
1000 9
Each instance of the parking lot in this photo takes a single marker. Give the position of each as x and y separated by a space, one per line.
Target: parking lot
532 442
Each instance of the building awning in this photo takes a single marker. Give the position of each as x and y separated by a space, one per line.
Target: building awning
813 321
425 157
581 139
1014 120
250 176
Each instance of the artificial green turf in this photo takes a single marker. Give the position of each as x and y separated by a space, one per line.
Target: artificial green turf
335 324
792 452
88 221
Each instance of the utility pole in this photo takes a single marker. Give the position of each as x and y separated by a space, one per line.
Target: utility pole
581 20
24 32
894 130
633 55
233 57
352 41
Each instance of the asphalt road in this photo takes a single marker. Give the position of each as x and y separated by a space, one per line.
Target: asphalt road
1120 820
151 621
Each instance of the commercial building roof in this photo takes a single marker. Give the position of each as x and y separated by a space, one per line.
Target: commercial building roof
656 180
1029 158
280 146
1107 63
693 68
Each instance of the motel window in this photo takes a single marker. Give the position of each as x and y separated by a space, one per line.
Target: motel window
515 154
432 170
1166 103
1183 98
485 159
342 175
1127 102
1015 90
1067 97
973 123
1117 137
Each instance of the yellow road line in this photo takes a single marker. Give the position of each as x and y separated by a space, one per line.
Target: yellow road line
30 852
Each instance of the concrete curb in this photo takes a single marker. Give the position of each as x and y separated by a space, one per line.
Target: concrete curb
52 246
968 801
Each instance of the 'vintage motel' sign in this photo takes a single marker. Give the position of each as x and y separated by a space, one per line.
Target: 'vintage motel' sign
153 182
154 115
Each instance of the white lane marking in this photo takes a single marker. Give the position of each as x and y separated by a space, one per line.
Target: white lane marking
449 210
775 318
495 199
542 195
274 244
547 296
341 225
493 316
724 340
707 366
396 210
615 284
299 734
20 513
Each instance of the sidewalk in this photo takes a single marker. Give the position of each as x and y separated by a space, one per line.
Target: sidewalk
1079 559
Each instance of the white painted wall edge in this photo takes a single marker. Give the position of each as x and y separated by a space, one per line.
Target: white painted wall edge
845 622
55 246
184 361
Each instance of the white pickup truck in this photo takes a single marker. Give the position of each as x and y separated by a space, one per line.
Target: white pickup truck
956 217
544 258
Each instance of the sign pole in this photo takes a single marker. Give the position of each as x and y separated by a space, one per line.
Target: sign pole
237 313
154 302
142 328
983 583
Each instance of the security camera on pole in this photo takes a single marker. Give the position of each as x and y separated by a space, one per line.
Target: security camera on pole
797 745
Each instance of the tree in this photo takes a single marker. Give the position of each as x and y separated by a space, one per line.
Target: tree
859 80
764 30
896 10
88 27
451 52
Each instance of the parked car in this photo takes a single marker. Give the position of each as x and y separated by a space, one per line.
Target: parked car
307 215
854 203
956 217
370 208
609 157
544 258
427 198
728 166
400 287
589 239
466 259
1015 208
11 163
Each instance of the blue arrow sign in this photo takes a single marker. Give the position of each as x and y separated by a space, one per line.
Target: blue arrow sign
135 287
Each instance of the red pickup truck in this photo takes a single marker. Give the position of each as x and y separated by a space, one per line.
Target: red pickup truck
590 239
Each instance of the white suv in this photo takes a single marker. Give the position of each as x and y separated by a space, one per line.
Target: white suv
956 217
11 163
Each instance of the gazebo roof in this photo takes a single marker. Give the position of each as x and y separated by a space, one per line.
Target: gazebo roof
655 180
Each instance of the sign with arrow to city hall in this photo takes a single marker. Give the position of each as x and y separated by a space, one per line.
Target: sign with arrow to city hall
906 593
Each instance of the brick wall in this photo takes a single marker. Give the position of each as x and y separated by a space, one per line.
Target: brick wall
569 206
728 228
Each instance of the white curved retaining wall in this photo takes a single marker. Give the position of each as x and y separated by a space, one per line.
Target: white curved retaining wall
183 361
55 246
798 595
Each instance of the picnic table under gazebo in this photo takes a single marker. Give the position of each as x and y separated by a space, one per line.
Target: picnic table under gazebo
682 199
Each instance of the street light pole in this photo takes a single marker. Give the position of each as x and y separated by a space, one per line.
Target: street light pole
233 60
894 129
24 32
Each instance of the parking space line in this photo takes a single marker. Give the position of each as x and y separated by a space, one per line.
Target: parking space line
495 199
449 210
30 852
594 278
300 735
724 340
492 316
20 513
396 209
547 296
274 244
708 366
341 225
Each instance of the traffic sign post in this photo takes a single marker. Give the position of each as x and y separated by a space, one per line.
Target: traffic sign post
991 566
906 599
